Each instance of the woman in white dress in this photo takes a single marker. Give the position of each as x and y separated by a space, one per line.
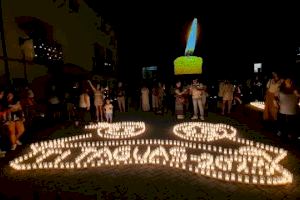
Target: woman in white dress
98 100
145 99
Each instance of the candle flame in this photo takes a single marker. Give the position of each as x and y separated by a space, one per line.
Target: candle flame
191 43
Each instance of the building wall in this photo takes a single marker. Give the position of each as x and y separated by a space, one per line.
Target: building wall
76 32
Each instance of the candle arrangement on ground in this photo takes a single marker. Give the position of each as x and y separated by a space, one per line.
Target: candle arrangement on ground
258 104
201 131
261 104
248 162
119 130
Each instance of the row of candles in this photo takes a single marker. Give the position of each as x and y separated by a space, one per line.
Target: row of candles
284 178
201 131
176 131
122 155
115 124
250 148
230 154
261 104
225 176
256 154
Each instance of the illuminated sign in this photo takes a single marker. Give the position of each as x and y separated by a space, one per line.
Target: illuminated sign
205 149
257 67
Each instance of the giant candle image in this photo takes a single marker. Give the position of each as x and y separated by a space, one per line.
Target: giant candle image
189 64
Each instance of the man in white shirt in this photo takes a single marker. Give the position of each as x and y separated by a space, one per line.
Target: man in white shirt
197 90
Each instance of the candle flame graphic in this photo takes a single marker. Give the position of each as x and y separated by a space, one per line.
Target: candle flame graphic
191 43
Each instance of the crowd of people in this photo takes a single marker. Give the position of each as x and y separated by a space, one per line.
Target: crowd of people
282 105
89 101
12 119
18 108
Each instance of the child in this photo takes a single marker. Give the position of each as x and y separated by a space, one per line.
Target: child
108 109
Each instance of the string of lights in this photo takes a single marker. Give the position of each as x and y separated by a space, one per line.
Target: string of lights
46 53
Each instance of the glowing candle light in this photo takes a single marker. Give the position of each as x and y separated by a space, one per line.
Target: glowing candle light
261 162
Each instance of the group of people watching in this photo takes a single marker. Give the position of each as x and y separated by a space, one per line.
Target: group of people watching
198 93
12 120
185 98
157 98
282 105
281 101
18 104
102 103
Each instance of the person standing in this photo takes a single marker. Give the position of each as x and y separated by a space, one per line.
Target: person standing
287 102
155 100
108 109
179 100
273 85
121 97
197 90
98 100
237 94
257 88
54 104
220 91
161 96
228 90
220 94
84 106
145 99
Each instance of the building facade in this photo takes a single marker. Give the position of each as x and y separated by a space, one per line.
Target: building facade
44 33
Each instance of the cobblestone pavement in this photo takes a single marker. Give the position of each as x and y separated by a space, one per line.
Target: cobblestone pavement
147 181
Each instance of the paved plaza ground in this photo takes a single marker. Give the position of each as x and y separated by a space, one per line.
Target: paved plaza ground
147 181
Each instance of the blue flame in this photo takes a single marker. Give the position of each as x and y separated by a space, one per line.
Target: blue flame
191 43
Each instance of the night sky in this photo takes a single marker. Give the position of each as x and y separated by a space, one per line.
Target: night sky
231 38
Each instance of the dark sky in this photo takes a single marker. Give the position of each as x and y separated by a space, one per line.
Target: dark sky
231 38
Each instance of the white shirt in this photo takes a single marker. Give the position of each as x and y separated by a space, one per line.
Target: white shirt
288 103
